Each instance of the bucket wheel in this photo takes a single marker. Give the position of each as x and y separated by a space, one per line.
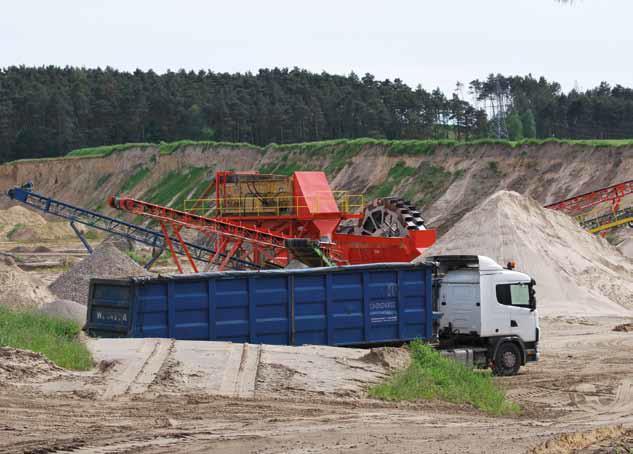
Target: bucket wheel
389 217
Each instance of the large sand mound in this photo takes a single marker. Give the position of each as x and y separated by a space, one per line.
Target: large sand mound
105 262
18 290
577 274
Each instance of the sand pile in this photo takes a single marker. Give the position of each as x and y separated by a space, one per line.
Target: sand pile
21 224
68 310
577 274
20 366
19 290
626 248
105 262
391 358
21 215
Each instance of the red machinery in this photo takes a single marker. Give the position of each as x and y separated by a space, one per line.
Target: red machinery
270 220
579 205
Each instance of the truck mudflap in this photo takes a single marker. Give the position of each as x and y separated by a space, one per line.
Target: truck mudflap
532 355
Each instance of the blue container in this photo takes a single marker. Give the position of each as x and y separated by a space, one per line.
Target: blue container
352 305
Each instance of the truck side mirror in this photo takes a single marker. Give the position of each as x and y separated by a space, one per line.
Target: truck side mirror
532 291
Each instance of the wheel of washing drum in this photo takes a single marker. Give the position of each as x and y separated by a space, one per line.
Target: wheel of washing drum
389 217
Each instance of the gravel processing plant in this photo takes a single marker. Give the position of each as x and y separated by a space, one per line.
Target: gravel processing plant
281 311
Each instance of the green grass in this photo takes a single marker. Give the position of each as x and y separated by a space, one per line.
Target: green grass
494 167
15 229
135 179
143 257
289 162
431 376
106 150
175 187
167 148
424 183
349 147
137 257
417 147
54 338
428 183
396 174
289 169
339 150
91 235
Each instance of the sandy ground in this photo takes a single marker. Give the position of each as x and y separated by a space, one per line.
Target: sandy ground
156 396
165 396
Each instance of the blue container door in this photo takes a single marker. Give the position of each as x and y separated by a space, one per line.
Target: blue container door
309 306
151 316
110 309
189 309
230 304
271 321
415 317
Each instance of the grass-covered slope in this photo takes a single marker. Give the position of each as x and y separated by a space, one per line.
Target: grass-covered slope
345 147
54 338
165 148
431 376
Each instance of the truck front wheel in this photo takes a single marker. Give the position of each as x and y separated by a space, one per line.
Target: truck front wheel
507 360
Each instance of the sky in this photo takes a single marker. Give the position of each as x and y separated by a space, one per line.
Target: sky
432 43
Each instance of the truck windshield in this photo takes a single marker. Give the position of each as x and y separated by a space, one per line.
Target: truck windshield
514 294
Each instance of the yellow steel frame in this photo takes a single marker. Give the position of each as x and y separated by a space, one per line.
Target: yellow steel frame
611 225
273 205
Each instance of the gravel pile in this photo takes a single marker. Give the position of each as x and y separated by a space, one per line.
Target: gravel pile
106 262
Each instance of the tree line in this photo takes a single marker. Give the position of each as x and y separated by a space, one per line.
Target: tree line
529 107
47 111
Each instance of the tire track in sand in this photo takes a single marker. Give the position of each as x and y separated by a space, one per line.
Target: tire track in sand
139 375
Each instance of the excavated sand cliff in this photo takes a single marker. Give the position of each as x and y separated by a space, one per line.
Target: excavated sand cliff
445 183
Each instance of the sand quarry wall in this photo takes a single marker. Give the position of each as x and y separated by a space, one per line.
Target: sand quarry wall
446 184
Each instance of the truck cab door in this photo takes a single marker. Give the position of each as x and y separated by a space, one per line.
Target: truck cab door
518 313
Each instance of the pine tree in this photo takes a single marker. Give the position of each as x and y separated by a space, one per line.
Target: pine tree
514 126
529 124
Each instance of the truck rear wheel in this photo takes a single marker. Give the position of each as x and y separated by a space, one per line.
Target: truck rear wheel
507 360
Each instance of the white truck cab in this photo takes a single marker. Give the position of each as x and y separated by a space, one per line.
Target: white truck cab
485 313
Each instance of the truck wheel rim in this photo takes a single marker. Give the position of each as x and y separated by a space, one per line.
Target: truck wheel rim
509 359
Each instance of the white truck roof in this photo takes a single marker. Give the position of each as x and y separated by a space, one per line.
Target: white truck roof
479 261
487 264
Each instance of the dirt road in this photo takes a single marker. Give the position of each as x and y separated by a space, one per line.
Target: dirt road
584 382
